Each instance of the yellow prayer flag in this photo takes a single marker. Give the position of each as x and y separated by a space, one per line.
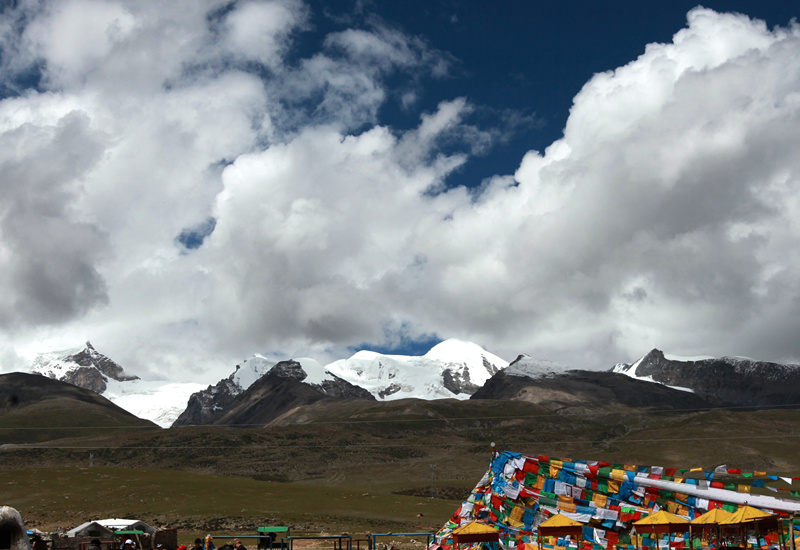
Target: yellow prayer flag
515 517
567 506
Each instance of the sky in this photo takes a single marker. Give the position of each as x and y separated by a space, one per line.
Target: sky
187 183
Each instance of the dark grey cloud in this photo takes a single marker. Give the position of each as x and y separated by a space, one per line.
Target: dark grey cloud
49 264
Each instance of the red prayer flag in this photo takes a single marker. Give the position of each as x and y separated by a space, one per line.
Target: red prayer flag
531 466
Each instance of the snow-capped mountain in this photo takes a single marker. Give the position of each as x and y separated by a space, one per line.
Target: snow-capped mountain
156 400
561 388
84 367
256 391
205 403
527 366
722 380
451 369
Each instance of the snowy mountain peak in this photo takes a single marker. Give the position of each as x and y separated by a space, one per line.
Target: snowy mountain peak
451 369
729 380
207 405
656 355
89 369
84 367
650 364
528 367
315 372
459 351
248 371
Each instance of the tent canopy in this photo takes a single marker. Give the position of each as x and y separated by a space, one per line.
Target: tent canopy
559 526
746 514
475 532
662 522
117 524
712 517
91 529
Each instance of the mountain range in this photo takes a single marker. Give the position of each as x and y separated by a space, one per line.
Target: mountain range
260 391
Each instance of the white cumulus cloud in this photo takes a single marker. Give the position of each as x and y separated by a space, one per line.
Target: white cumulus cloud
183 189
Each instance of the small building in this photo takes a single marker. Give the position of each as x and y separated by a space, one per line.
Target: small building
117 524
92 529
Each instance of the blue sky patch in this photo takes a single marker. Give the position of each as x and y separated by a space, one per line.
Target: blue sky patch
192 238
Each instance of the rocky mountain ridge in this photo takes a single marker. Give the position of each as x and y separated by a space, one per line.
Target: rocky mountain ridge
737 381
84 367
218 404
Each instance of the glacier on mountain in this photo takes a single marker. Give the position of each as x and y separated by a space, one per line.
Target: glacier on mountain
527 366
629 369
451 369
158 401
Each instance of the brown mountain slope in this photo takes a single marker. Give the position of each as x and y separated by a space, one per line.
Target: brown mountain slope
588 390
36 408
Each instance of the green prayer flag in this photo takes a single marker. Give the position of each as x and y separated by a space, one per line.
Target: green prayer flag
548 501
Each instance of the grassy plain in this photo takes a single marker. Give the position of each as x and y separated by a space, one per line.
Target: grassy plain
68 496
339 468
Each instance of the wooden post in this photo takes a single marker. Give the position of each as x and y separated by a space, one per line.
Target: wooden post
780 534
